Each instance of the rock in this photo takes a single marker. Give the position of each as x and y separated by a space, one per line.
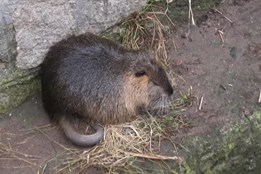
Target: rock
29 27
102 14
39 24
16 86
7 35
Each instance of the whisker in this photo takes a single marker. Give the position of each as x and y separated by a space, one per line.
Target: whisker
160 106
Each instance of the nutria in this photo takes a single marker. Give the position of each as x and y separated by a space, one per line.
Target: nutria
102 83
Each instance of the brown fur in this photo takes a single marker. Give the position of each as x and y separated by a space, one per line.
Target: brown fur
101 82
136 93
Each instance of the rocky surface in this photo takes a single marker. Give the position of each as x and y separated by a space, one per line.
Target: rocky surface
39 24
29 27
7 35
16 85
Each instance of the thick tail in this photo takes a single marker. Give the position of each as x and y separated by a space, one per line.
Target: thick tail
81 139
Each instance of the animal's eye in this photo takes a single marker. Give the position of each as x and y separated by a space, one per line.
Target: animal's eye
140 73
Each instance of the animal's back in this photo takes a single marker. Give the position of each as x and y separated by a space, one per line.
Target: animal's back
79 73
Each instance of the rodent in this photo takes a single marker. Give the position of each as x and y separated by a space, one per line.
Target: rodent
101 82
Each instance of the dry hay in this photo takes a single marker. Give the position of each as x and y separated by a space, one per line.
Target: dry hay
147 27
123 143
146 24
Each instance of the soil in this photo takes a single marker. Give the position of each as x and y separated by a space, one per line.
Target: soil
225 76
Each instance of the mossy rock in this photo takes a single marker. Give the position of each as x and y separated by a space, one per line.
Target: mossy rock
16 86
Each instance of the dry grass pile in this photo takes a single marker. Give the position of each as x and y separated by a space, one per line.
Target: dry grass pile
141 26
146 28
123 143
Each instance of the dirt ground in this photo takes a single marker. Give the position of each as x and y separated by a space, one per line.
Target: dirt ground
225 76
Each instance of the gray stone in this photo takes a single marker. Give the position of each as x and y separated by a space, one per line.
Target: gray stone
7 34
29 27
102 14
41 23
16 86
38 25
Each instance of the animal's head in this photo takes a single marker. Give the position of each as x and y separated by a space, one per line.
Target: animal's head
147 85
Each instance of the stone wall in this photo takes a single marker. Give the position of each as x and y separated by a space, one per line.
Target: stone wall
29 27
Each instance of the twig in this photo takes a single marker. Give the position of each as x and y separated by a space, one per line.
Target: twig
259 100
155 157
161 13
56 142
200 104
223 15
14 155
191 13
169 1
175 45
221 33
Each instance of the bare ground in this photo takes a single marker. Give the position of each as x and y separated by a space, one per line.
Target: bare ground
225 76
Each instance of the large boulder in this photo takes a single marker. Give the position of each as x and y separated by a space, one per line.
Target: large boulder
39 24
29 27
